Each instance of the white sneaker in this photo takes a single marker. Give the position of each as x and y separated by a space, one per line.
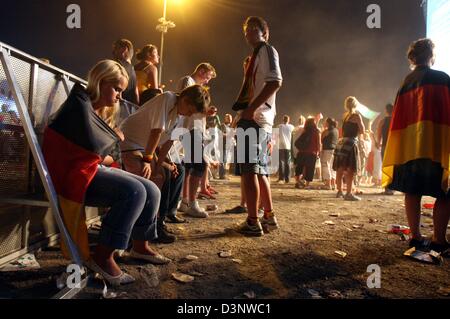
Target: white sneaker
183 207
260 213
270 223
196 211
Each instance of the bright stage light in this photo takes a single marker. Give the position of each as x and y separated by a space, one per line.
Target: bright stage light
438 30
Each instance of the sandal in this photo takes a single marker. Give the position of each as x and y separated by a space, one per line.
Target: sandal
122 279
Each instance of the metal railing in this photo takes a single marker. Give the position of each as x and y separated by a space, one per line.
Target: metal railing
30 91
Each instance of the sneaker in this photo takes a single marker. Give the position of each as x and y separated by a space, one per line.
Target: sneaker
183 207
260 212
420 244
164 236
443 249
196 211
205 195
251 230
351 197
339 194
236 210
174 219
270 223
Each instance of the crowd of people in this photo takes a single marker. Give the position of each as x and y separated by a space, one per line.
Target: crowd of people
317 149
114 143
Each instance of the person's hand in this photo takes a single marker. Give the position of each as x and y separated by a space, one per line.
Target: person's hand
214 164
174 169
146 170
248 114
270 148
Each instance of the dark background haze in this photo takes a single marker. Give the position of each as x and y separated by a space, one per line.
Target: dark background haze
326 50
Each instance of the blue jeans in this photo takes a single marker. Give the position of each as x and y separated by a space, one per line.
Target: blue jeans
284 169
255 148
170 193
134 203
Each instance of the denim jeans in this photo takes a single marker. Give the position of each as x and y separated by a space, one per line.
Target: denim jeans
284 168
133 201
254 147
170 193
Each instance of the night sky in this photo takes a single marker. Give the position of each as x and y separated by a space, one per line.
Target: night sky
326 50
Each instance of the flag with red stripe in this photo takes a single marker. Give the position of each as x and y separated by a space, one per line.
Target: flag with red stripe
75 142
420 126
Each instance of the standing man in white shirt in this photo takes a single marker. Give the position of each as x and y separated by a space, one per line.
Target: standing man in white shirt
257 101
285 148
196 124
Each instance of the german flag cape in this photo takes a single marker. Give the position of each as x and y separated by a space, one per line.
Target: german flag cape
420 126
75 142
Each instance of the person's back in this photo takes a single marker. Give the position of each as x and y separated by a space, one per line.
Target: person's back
155 113
141 76
330 139
350 129
285 136
312 141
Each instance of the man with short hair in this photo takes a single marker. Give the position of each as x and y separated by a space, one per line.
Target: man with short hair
196 124
202 74
284 149
123 53
256 100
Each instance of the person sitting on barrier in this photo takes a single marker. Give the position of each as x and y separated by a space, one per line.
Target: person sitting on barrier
147 73
75 142
143 131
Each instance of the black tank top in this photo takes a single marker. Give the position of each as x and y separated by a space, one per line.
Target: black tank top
350 129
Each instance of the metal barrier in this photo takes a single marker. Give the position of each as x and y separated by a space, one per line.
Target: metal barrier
30 91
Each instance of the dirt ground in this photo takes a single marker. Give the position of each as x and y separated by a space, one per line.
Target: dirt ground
297 261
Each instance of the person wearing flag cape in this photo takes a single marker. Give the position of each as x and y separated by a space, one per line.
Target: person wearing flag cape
76 142
417 157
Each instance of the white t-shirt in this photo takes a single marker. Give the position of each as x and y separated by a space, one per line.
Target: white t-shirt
285 136
157 113
267 69
185 82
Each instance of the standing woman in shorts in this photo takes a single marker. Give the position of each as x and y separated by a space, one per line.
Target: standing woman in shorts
346 158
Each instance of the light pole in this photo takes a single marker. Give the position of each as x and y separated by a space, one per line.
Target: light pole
163 26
